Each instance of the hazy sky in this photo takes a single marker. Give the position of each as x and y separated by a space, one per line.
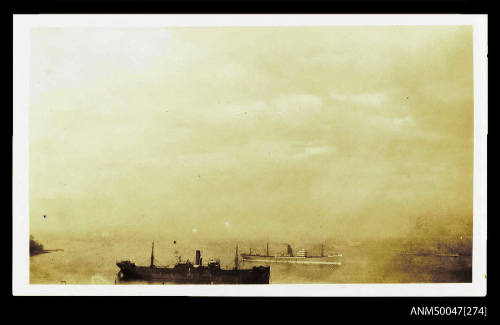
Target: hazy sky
251 132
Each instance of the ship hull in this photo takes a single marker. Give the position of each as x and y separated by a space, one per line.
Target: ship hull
201 275
332 260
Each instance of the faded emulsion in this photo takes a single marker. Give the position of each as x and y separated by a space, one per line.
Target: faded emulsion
327 154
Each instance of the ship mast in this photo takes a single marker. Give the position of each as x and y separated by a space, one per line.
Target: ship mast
153 255
236 261
267 249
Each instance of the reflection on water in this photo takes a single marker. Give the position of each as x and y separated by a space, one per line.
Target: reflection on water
93 262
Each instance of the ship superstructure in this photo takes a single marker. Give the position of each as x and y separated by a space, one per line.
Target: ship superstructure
301 257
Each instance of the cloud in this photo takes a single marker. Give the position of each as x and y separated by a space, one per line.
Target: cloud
314 151
272 126
364 99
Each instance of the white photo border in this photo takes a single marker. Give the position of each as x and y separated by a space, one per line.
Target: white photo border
22 25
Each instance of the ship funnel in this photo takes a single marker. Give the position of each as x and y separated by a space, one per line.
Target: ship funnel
198 257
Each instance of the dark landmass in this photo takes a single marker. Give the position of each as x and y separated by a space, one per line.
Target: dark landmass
36 248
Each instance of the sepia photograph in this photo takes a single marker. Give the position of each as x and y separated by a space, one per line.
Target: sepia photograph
250 153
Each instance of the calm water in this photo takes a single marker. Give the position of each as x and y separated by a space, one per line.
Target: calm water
93 262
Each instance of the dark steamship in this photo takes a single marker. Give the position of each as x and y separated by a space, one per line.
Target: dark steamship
197 273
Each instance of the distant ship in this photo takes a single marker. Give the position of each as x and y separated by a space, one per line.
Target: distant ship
301 257
196 273
438 251
429 254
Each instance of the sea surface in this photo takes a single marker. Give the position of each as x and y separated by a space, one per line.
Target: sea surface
93 261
